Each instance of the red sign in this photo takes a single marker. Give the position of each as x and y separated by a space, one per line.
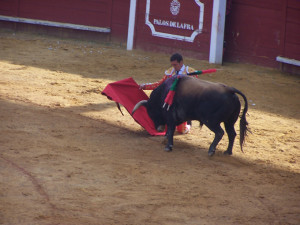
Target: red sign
175 19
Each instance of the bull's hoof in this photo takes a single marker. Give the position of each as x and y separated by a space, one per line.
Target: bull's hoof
168 148
227 153
211 153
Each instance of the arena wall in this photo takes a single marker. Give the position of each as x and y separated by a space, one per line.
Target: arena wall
258 32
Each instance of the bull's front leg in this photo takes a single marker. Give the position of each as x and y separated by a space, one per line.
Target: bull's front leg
170 135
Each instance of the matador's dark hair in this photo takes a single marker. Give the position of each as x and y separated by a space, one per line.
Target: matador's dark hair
176 57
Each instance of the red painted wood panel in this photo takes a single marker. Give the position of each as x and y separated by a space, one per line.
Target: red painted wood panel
253 31
292 31
266 4
120 18
258 31
293 15
83 12
292 51
188 9
294 4
9 7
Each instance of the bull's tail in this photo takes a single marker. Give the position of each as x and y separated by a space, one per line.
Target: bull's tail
243 122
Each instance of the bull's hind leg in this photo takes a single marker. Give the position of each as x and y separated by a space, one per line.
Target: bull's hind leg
229 127
219 132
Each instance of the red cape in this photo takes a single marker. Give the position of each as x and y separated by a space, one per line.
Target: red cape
127 93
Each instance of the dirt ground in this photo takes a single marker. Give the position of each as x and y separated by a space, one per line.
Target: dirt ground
67 155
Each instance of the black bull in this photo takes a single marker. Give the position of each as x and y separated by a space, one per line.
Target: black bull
209 103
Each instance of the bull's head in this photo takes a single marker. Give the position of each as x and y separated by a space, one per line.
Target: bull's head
154 112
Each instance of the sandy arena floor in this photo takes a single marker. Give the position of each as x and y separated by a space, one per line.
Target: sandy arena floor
67 155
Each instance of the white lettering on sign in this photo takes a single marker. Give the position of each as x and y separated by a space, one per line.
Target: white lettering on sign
167 23
175 7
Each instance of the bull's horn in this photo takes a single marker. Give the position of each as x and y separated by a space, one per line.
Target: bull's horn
143 102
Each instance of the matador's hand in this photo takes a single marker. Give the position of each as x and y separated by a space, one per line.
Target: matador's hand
142 86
